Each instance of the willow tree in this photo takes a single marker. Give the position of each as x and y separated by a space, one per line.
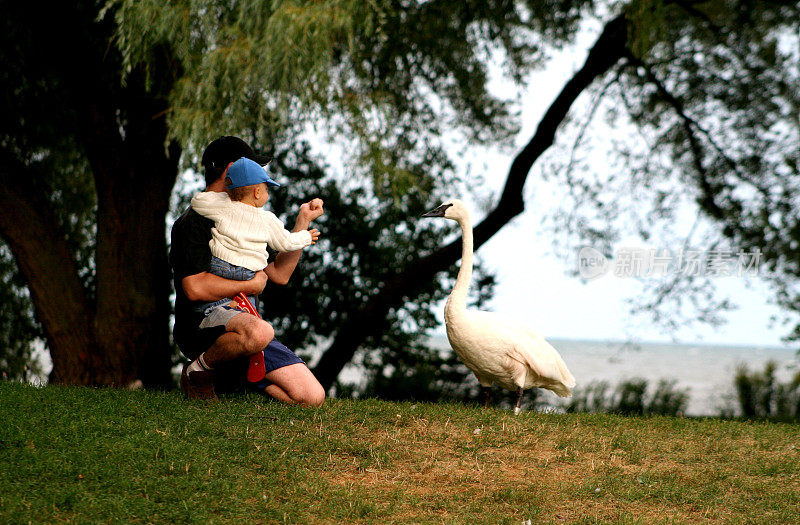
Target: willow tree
385 80
708 85
382 79
87 168
105 99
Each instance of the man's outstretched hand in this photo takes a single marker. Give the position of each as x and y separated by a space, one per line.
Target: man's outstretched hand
312 210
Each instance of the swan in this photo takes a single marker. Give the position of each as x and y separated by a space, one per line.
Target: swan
497 350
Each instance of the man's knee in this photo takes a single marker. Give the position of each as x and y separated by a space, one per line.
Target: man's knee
298 384
263 335
314 396
258 335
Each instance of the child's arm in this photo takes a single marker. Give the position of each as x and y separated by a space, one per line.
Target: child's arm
280 270
283 240
211 204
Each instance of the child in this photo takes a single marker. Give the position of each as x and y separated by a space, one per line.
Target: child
242 230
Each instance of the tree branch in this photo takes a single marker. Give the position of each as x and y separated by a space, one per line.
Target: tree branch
708 188
609 48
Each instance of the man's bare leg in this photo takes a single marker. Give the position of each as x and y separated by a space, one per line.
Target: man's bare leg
295 384
245 335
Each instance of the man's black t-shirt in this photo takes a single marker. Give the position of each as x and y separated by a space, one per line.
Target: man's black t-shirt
189 254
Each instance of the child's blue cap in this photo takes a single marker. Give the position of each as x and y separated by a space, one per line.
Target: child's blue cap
245 172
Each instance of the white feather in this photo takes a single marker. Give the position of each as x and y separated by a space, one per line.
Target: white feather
498 350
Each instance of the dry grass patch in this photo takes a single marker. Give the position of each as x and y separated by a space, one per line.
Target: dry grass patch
649 470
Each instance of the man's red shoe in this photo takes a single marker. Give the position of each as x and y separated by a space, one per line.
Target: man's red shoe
198 384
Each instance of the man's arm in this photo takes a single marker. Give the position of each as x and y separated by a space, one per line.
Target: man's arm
208 287
280 270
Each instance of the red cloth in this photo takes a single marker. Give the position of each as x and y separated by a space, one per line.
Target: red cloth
257 369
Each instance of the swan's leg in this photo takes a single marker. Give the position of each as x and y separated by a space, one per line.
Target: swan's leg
517 409
487 396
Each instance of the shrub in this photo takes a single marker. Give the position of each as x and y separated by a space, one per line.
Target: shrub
630 398
761 396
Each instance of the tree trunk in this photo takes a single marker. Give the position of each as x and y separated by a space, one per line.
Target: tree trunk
124 134
124 335
134 177
609 48
121 130
31 230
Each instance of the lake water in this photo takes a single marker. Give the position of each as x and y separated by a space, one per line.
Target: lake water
706 370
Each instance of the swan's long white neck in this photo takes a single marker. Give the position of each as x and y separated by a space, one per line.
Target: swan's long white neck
457 302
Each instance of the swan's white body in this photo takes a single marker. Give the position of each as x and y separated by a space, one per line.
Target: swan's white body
507 354
499 351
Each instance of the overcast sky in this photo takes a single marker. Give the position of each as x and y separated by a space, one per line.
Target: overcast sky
533 283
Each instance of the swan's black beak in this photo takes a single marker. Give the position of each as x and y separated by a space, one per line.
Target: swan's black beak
437 212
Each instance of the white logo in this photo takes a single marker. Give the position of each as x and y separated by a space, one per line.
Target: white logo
591 263
645 263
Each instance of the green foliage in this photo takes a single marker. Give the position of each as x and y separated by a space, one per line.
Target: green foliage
388 77
19 330
710 99
242 65
760 395
630 398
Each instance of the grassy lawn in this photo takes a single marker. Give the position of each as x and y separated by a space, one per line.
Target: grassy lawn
86 455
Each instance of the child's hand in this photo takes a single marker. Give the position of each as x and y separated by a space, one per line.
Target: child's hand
312 210
314 235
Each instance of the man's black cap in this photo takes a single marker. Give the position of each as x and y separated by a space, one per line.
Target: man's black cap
224 150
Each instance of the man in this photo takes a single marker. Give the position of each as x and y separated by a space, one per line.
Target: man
220 353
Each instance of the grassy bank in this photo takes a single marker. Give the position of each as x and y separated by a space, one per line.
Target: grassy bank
84 455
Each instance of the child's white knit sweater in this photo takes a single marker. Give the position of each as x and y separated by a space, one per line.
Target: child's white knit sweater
242 232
